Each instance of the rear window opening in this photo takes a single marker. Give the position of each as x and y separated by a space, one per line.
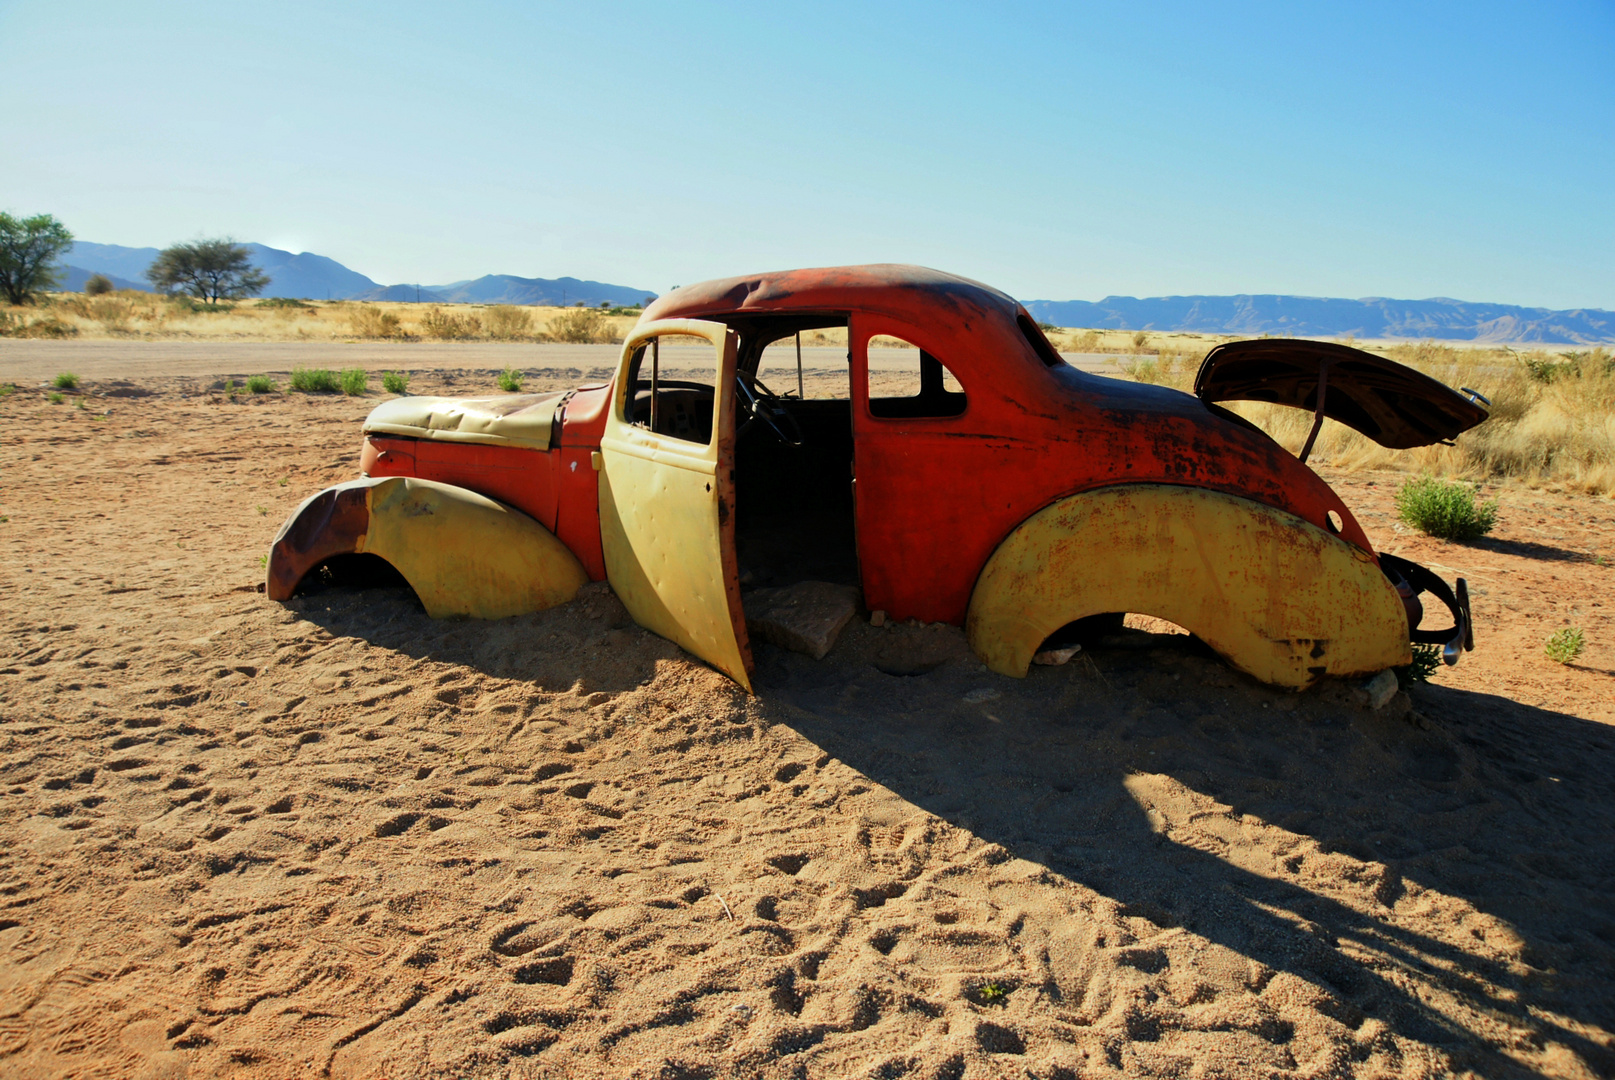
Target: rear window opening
1038 340
906 382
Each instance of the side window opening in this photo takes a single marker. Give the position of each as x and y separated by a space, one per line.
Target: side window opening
1038 340
906 382
670 388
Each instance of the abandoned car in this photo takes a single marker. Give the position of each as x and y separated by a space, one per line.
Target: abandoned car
1007 492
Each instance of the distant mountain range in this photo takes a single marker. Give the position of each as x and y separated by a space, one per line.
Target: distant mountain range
1307 316
319 278
316 277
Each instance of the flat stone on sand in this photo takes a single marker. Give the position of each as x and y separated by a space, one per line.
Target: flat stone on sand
806 617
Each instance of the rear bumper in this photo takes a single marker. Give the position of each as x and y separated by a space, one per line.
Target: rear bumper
1411 580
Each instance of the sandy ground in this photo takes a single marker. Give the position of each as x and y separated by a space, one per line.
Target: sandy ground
337 837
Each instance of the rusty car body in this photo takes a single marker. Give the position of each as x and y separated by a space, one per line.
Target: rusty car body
1011 493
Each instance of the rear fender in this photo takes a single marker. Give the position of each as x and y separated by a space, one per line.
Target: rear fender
1277 597
463 554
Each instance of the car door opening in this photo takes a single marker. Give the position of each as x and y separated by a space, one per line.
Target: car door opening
793 455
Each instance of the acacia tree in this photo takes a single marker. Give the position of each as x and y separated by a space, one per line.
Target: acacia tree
28 250
210 270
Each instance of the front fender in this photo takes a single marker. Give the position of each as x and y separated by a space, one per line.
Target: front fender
1276 596
462 553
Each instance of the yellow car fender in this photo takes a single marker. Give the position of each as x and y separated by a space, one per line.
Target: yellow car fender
464 554
1277 597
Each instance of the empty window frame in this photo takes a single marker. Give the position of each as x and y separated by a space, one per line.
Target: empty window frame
906 382
670 387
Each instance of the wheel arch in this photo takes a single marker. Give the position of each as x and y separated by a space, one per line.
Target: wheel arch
464 554
1274 595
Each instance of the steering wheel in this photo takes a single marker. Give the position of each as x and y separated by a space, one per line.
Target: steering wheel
761 403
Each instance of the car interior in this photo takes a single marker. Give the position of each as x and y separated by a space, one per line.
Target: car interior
793 457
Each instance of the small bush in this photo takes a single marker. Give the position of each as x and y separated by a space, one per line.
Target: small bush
372 322
6 389
97 285
355 381
281 302
507 322
55 397
581 326
1445 509
1426 662
1140 340
439 324
1563 646
260 384
315 381
181 302
510 380
395 382
66 381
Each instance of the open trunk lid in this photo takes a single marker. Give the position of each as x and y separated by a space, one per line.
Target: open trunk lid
1390 403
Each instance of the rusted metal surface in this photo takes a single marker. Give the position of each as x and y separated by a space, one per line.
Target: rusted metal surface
935 496
328 523
1277 598
666 515
1391 403
463 553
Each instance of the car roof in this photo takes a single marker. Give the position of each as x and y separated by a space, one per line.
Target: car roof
915 294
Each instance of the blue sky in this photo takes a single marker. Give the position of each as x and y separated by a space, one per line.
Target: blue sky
1058 151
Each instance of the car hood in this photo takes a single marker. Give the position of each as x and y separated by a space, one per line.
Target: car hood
1390 403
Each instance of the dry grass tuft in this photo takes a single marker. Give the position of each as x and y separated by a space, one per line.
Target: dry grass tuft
132 314
507 322
582 326
368 321
446 326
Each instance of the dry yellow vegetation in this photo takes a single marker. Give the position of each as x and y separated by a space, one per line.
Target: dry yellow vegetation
129 315
1552 414
1552 422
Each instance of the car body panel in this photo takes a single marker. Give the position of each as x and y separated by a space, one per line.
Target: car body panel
525 420
1279 599
463 553
938 500
1390 403
667 515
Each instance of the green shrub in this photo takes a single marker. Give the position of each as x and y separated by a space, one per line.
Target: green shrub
1445 508
395 382
315 381
55 398
281 302
1426 662
355 381
1563 646
66 381
7 388
260 384
97 285
510 380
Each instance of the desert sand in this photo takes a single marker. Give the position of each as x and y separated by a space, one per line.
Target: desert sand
336 837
